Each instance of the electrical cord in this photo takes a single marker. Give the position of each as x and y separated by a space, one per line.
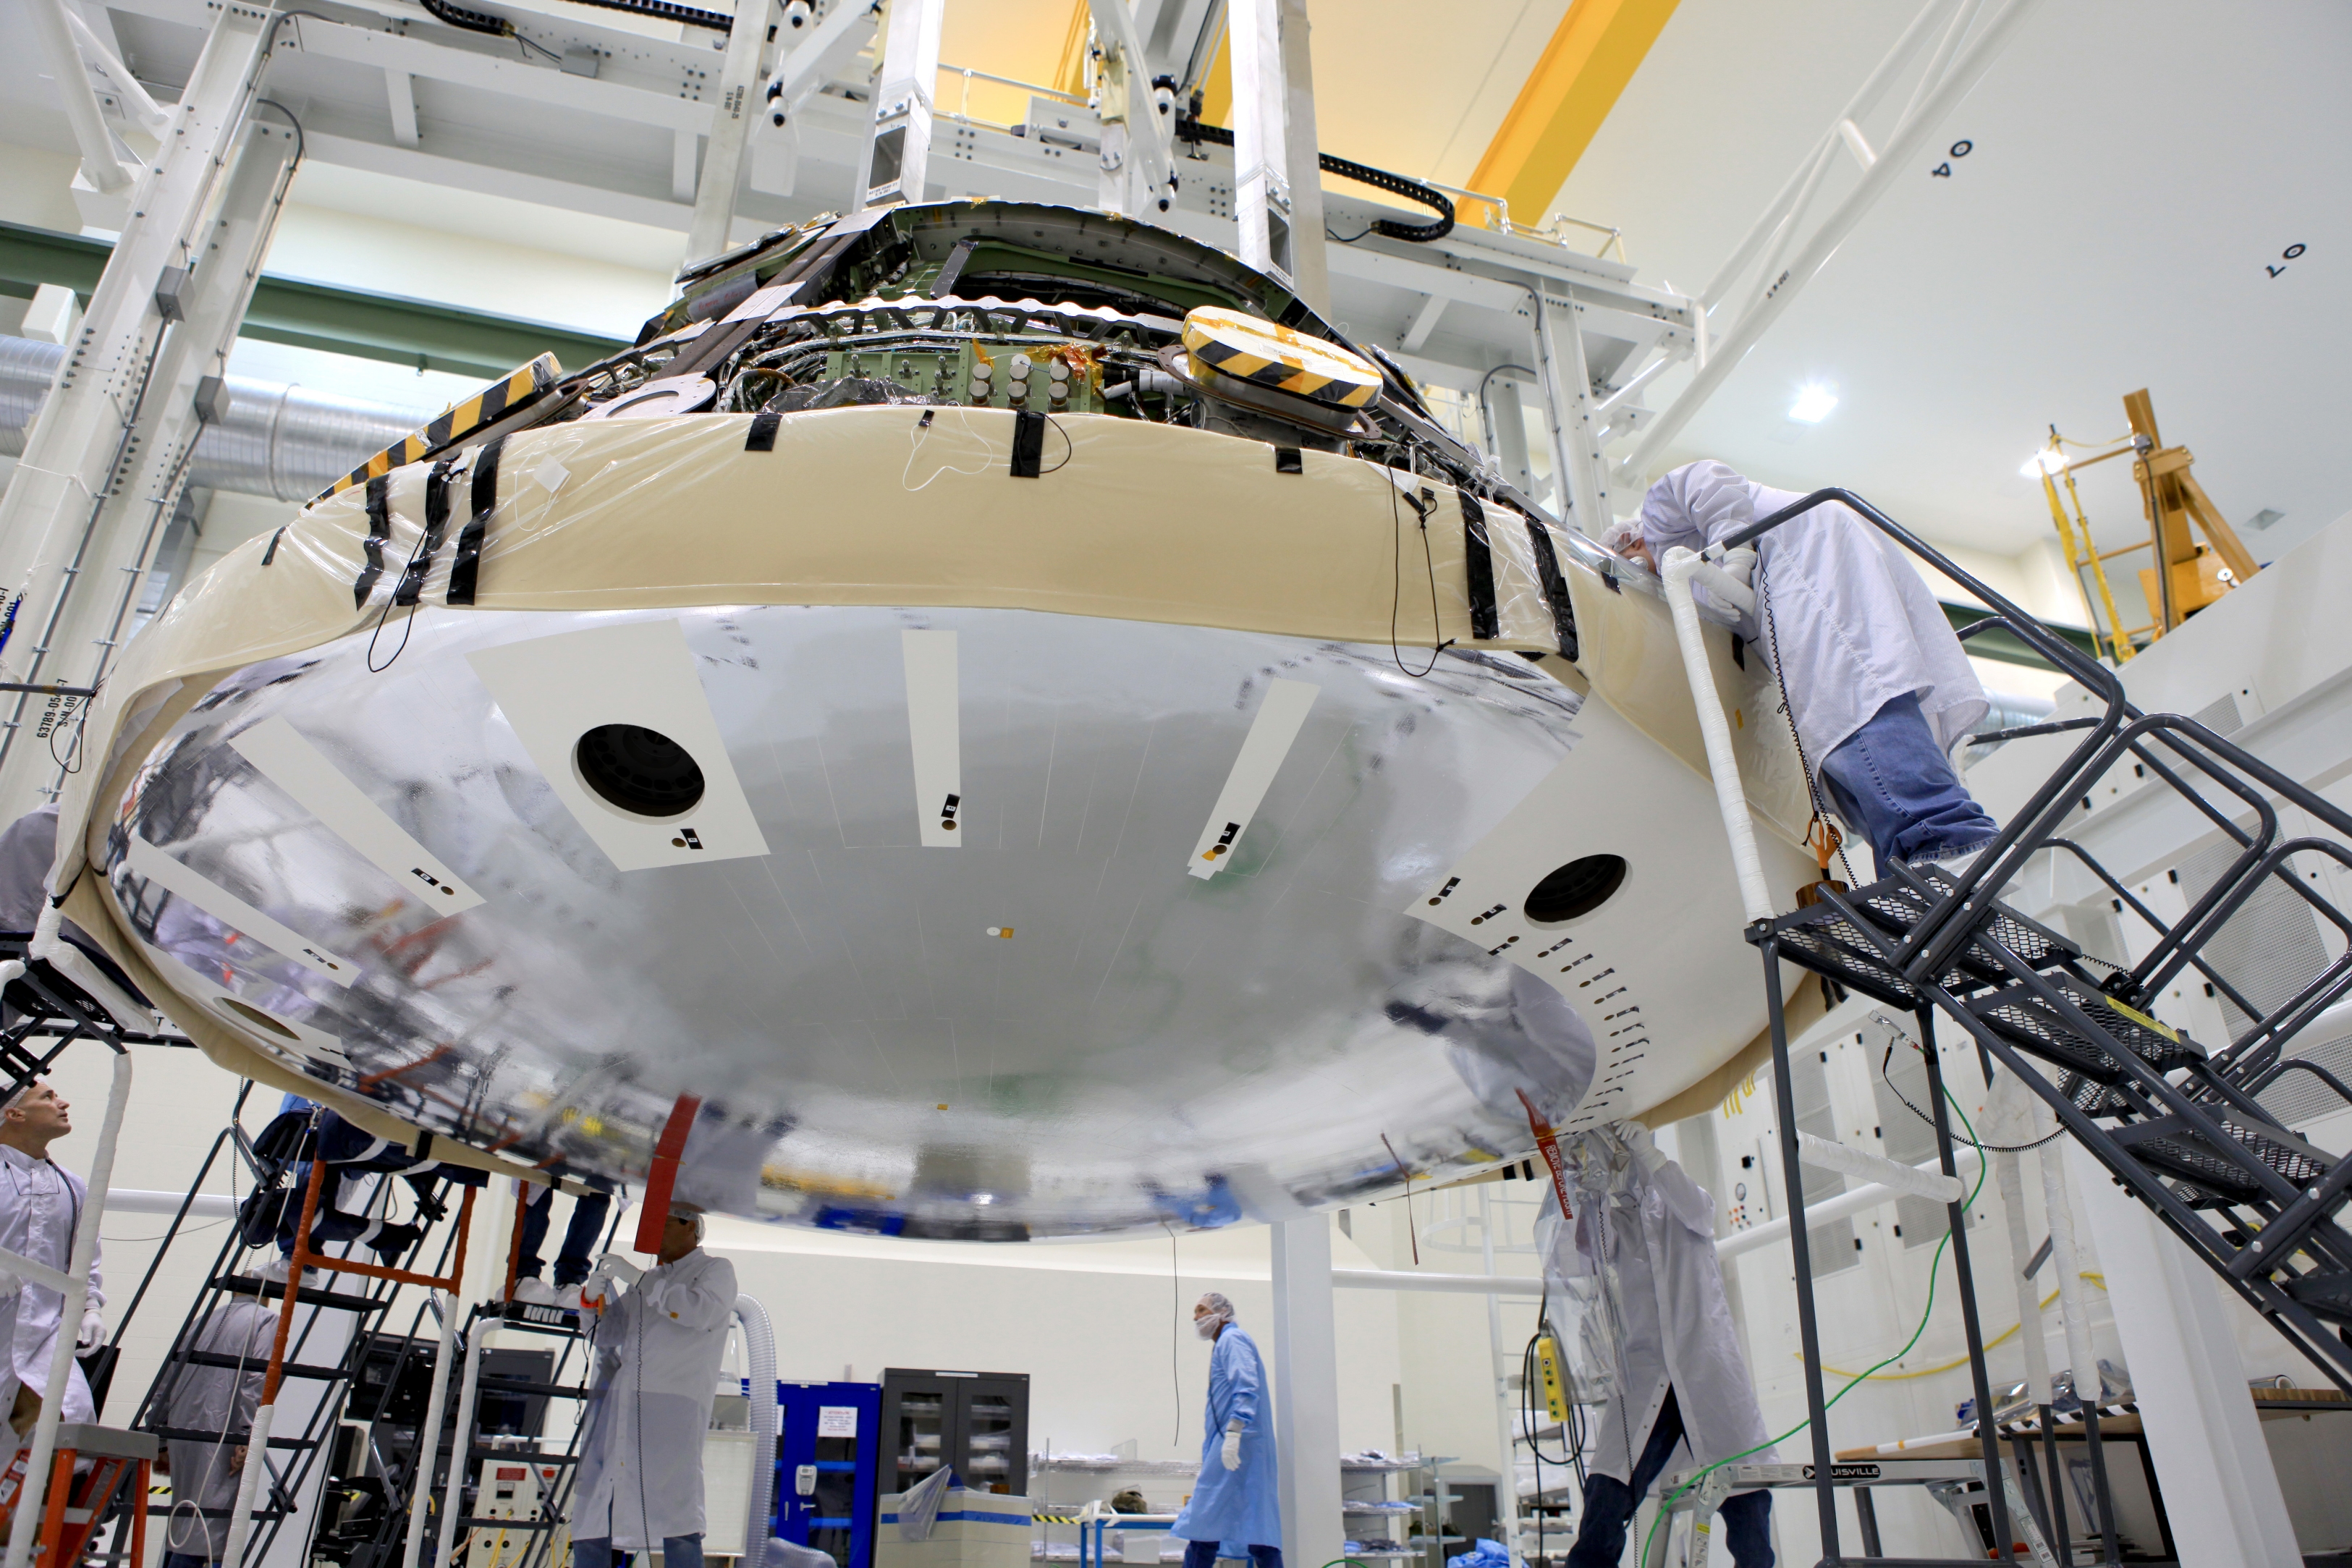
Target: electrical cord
1988 1148
1935 1264
1396 599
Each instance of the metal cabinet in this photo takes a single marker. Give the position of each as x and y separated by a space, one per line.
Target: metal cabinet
828 1453
977 1422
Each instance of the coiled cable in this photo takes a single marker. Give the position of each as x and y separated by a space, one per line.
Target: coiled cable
1189 129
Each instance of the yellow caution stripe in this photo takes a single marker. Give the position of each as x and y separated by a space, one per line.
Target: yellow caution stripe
1270 354
487 406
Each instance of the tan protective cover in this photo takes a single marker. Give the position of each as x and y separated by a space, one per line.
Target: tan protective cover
1129 519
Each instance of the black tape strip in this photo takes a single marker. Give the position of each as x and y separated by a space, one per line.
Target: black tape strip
467 565
761 436
1028 443
270 554
436 529
1555 586
1287 460
1479 564
379 516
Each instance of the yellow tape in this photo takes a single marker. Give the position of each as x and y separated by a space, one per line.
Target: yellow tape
493 402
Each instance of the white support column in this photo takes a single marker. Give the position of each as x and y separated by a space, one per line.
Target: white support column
1261 121
1309 273
1306 1391
225 262
400 94
898 145
1510 433
2202 1431
85 430
1562 405
1506 1491
1588 486
730 125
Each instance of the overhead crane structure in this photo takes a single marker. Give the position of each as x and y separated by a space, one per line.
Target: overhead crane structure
727 132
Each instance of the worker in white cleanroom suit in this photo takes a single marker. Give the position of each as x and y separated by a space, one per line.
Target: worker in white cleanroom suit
1681 1394
40 1204
1235 1499
1876 682
658 1349
218 1401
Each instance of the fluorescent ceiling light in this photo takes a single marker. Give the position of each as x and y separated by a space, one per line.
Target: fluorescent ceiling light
2043 462
1812 405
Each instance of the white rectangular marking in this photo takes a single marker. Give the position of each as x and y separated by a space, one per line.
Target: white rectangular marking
553 690
1270 736
289 761
935 727
227 907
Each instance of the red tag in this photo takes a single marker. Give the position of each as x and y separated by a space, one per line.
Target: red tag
1549 1143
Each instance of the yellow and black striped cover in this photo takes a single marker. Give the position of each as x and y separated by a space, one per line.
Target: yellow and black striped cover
1271 355
494 402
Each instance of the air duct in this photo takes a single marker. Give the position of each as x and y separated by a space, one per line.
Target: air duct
280 440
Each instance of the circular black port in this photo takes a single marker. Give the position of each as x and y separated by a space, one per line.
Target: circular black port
258 1019
639 771
1579 887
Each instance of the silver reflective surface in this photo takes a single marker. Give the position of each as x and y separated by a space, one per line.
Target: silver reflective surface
1050 1029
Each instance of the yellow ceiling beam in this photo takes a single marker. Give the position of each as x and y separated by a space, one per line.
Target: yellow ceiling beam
1593 55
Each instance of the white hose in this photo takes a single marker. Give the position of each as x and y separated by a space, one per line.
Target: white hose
2009 1120
1681 565
460 1461
76 1297
1824 1154
248 1483
760 1343
420 1484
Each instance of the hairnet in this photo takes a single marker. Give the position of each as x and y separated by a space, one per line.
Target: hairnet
12 1101
1694 505
1219 1307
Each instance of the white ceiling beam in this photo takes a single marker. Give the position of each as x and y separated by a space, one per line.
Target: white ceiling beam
513 184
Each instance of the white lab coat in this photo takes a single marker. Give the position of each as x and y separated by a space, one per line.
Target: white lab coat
221 1401
39 1203
1856 624
1647 1231
658 1350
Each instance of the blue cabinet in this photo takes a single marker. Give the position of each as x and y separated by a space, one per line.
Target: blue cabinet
826 1461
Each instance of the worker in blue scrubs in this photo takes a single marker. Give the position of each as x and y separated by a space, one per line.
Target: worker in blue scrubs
1235 1499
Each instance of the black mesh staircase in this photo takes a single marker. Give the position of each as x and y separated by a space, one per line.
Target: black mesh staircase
2178 1122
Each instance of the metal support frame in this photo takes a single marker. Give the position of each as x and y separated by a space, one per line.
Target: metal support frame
730 127
92 426
898 145
102 163
1138 118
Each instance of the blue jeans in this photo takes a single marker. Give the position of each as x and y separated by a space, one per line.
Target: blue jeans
677 1551
579 1237
1894 786
1203 1554
1609 1505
